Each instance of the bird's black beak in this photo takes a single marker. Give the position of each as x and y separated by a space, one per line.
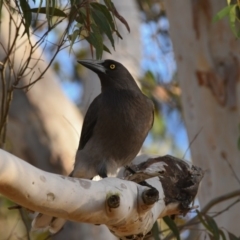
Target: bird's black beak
95 65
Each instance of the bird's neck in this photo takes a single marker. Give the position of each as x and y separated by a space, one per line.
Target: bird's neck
132 86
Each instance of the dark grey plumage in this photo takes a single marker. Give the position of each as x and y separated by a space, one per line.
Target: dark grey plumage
116 123
114 128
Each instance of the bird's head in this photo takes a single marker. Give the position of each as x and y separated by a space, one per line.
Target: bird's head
111 73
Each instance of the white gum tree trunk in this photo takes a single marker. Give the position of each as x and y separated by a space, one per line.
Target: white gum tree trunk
43 123
208 57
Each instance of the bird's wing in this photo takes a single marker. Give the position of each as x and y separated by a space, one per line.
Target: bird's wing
89 122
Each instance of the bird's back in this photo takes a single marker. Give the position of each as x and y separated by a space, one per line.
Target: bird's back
122 124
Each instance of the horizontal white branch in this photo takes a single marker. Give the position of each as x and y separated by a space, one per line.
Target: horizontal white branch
82 200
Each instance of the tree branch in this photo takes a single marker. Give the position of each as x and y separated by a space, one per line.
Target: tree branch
125 207
205 209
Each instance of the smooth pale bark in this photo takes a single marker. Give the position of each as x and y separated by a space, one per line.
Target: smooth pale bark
80 199
44 125
208 57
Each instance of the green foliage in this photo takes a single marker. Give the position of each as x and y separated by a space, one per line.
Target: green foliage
27 16
95 39
155 231
211 226
232 11
89 21
105 12
172 226
100 12
55 11
208 222
223 13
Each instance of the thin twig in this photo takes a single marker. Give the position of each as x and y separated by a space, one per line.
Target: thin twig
14 227
190 144
230 166
23 217
211 204
6 91
227 208
62 41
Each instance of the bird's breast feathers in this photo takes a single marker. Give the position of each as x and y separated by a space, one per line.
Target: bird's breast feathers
127 110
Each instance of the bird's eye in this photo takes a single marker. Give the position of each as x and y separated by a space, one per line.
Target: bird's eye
112 66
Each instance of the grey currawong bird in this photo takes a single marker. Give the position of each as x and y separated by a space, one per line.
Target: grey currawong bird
114 128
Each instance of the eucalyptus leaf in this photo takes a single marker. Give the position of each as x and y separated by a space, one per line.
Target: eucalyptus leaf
57 12
221 14
52 8
103 24
27 15
173 227
105 48
95 39
108 3
118 34
222 235
98 41
74 36
106 13
213 227
82 16
204 223
155 231
232 19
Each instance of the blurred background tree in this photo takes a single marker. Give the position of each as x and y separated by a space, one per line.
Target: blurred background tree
207 55
44 121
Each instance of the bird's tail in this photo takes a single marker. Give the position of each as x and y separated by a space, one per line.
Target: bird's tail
45 222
